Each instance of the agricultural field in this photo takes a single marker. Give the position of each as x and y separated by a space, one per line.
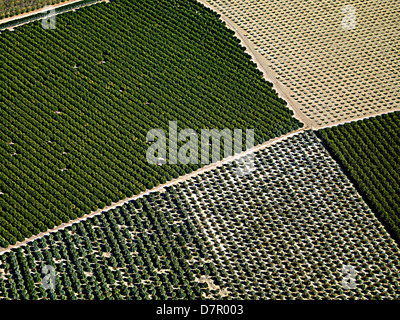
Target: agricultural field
310 211
77 102
138 251
369 152
337 60
287 229
282 231
14 22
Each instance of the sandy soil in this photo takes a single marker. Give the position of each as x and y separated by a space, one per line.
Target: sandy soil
269 75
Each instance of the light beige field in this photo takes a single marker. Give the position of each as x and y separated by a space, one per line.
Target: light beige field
336 73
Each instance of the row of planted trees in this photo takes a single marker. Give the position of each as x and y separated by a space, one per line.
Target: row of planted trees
292 238
252 237
368 150
138 251
76 116
11 8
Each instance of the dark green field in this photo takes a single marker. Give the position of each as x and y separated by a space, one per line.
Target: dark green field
77 102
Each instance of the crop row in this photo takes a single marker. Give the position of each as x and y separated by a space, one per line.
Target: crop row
77 102
133 252
285 230
369 152
39 15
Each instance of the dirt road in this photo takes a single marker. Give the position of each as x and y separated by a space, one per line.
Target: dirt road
262 64
159 188
27 14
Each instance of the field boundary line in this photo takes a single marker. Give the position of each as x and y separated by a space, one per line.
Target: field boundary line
54 6
281 89
160 188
